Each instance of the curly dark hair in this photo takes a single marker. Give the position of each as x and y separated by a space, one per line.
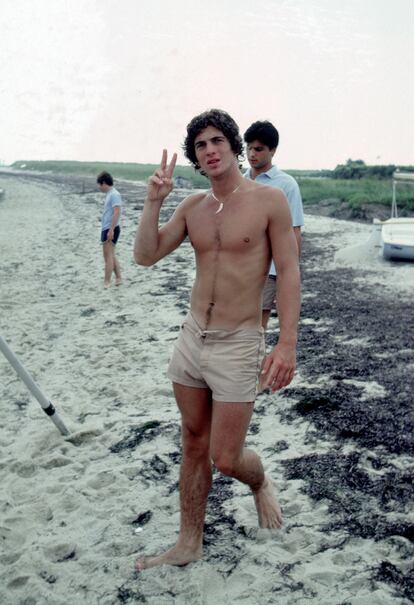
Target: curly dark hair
105 177
264 132
222 121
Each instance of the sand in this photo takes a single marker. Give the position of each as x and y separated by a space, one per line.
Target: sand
75 512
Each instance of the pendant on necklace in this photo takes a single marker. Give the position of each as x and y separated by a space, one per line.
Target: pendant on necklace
221 205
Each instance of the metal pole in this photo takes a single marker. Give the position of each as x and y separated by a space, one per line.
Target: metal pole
394 211
46 405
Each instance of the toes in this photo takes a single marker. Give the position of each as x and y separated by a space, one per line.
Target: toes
140 564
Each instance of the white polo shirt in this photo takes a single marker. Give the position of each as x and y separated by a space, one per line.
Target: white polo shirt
281 180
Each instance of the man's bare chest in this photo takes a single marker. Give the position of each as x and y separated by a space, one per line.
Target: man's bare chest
232 232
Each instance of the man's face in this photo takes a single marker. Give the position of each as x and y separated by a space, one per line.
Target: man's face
213 151
103 187
260 156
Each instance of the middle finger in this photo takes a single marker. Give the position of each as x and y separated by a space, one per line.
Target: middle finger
164 159
171 167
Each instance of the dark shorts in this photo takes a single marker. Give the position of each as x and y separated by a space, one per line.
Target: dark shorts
104 234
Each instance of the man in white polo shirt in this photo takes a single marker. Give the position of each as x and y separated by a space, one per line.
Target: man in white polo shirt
262 139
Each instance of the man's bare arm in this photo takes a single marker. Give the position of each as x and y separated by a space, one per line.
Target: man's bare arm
151 242
298 236
115 217
279 366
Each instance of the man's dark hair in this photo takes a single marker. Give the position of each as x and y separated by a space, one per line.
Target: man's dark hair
105 177
264 132
220 120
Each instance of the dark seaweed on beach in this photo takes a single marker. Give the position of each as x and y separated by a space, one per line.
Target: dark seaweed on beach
127 595
342 409
143 518
145 432
387 572
218 521
364 487
155 468
358 503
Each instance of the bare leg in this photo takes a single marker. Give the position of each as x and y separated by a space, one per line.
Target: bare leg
229 427
108 254
195 478
117 269
267 506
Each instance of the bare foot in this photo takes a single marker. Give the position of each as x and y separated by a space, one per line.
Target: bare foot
106 284
175 556
268 509
118 281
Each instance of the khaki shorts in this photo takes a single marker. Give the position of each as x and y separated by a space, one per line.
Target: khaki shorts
226 362
269 293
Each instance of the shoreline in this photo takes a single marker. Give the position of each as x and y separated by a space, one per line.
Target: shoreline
330 208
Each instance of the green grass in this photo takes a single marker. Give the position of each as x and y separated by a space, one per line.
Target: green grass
355 193
119 170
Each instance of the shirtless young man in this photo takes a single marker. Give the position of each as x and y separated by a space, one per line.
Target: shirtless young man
236 228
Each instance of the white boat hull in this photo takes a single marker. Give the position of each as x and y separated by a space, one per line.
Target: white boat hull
397 237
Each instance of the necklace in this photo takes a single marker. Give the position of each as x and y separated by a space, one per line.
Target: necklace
221 205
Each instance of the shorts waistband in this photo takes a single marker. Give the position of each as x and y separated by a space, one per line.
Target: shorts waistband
242 334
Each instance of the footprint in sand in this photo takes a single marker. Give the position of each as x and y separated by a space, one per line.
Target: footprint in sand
54 488
82 437
60 552
57 462
40 511
10 558
24 469
69 500
102 479
18 582
298 541
326 578
10 534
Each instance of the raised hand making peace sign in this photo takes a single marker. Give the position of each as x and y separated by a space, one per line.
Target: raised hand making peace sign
160 184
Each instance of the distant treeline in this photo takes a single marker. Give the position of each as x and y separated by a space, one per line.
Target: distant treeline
357 169
352 169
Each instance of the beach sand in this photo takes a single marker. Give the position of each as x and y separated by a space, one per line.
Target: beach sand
76 512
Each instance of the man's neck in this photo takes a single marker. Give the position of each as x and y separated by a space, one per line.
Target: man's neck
255 173
224 184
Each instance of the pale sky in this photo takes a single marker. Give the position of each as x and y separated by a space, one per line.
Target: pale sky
118 80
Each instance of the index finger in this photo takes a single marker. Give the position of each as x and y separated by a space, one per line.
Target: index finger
164 159
171 167
266 364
